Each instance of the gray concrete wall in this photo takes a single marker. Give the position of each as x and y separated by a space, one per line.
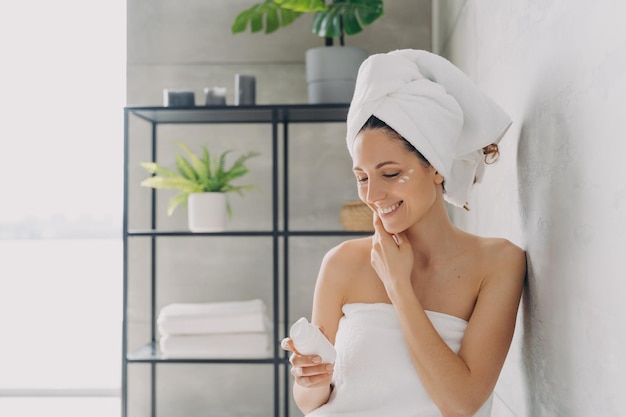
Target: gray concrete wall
558 68
188 44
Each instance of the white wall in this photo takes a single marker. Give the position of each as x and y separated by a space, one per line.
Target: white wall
559 190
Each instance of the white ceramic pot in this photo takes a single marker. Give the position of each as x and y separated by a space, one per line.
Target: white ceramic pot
206 212
331 73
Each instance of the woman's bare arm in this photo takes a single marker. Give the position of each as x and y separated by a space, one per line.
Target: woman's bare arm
312 388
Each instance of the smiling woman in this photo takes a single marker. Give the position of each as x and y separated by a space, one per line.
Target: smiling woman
63 91
421 304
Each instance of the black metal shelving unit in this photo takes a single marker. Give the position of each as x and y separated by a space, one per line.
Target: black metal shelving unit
276 116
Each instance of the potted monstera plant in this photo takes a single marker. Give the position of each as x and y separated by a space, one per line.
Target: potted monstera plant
331 69
202 183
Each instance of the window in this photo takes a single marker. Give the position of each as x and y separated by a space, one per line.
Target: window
62 85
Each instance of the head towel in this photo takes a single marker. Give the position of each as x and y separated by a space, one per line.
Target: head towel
433 105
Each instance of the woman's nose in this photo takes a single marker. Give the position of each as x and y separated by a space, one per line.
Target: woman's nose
375 191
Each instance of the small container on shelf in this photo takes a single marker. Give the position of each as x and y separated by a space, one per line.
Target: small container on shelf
178 98
215 96
245 90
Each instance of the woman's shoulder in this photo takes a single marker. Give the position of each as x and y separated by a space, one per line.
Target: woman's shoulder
350 251
343 264
501 249
502 258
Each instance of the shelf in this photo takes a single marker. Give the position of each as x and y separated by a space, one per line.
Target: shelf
182 233
275 229
285 113
150 353
187 233
327 233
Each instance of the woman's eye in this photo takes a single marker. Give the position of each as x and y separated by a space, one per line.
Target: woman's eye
391 175
361 180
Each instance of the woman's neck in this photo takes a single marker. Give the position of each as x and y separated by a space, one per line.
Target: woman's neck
434 237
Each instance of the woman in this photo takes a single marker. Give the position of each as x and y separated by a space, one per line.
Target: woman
421 313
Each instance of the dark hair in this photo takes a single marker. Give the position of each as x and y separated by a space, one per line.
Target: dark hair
491 152
374 123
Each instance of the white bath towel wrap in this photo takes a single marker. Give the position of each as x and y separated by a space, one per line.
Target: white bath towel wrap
374 375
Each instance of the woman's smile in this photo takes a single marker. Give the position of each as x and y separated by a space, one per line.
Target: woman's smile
386 211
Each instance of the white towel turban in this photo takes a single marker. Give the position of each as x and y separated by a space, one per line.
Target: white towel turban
433 105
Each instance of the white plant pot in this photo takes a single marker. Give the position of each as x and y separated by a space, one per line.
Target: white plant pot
206 212
331 73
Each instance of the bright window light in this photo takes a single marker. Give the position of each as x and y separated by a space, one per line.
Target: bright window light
62 93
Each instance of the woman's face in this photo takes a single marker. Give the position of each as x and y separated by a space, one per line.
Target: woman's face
392 181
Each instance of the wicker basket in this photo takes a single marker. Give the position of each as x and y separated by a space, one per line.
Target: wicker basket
356 216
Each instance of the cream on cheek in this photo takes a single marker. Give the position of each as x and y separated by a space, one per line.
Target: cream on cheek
407 177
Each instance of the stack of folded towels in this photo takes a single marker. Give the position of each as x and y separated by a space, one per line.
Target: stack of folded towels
230 329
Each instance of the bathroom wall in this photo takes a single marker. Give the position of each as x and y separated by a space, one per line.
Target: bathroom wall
558 67
188 44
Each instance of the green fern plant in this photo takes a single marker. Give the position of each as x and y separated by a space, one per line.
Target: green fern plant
334 19
198 175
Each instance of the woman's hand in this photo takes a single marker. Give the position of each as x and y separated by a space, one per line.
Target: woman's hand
391 257
308 370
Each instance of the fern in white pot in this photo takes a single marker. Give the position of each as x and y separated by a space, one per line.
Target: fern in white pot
203 183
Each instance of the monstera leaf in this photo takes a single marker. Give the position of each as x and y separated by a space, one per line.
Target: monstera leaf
334 20
346 17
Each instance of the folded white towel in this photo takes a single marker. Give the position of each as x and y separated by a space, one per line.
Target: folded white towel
215 309
240 323
215 317
232 345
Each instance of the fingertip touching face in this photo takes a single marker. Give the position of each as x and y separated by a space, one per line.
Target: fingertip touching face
392 180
